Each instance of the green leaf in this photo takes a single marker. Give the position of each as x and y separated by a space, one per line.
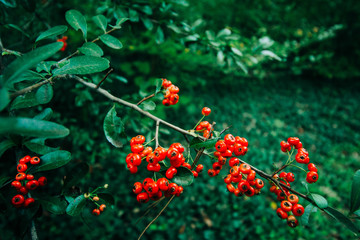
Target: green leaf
9 3
355 192
75 175
28 76
107 197
45 66
242 66
53 160
24 101
357 212
320 201
83 65
133 15
100 21
159 37
54 205
91 49
308 210
183 177
77 21
45 114
32 127
4 98
28 60
158 84
270 54
37 145
147 23
75 207
5 145
121 21
52 32
113 128
3 180
236 51
111 41
44 94
148 105
342 218
198 143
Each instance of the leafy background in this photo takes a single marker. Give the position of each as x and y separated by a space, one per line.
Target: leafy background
312 93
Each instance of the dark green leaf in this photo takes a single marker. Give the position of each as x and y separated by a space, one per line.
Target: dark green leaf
121 21
91 49
355 192
308 210
3 180
198 143
32 127
320 201
28 60
37 145
148 105
45 114
158 85
242 66
111 41
45 66
113 128
54 205
305 185
342 218
133 15
107 197
44 94
5 145
75 207
53 160
52 32
77 21
183 177
147 10
147 23
159 38
28 76
83 65
4 98
76 174
357 212
236 51
24 101
100 21
9 3
121 79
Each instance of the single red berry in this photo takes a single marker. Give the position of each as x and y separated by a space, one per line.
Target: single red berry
251 175
229 139
35 160
212 173
302 158
284 144
29 202
29 177
172 153
298 210
155 167
299 145
20 176
171 172
199 168
292 221
139 139
166 102
293 199
245 168
234 161
42 181
230 187
227 179
179 191
237 192
102 207
281 213
221 160
250 192
244 186
187 165
293 141
142 197
242 141
312 177
32 184
137 187
173 188
236 179
163 184
16 184
151 188
146 152
220 146
173 89
195 173
216 166
133 169
18 200
21 167
312 167
165 83
259 183
96 212
290 177
137 148
283 175
206 111
23 190
235 171
227 153
147 180
96 198
286 206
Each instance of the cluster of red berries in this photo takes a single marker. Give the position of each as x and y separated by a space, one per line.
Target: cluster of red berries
225 149
171 96
205 128
290 209
245 178
301 157
154 190
63 39
100 209
25 182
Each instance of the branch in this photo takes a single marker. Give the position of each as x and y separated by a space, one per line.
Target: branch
157 134
145 98
102 80
130 105
31 88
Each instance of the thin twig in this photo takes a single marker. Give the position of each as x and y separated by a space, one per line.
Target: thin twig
31 88
200 152
154 204
157 134
277 171
102 80
145 98
156 217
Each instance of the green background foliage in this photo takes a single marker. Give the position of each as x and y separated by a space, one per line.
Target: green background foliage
268 69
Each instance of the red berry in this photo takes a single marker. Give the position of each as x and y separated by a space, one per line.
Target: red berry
292 221
21 167
139 139
284 144
281 213
137 148
250 192
20 176
16 184
23 190
298 210
32 184
42 181
173 188
212 173
153 167
230 187
251 175
217 166
173 89
199 168
137 187
133 169
229 139
293 141
35 160
163 184
151 187
102 207
293 199
172 153
206 111
299 145
245 168
195 173
171 172
286 206
18 200
227 179
142 197
220 146
28 202
96 212
244 186
147 180
259 183
312 177
234 161
29 177
283 175
187 165
166 102
312 167
290 177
